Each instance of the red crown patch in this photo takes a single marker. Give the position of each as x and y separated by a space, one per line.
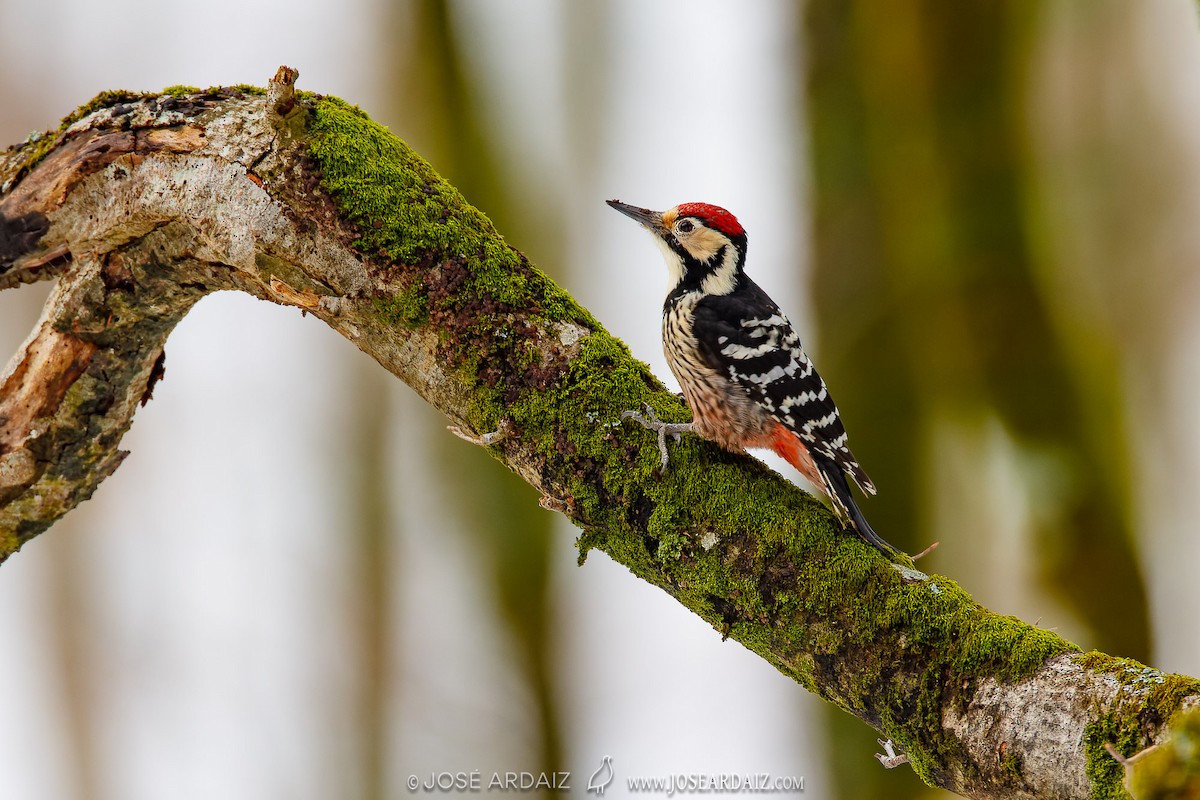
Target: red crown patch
714 217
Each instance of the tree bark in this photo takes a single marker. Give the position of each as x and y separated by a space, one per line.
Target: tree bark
140 205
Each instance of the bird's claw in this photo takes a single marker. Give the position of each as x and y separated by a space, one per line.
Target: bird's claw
651 422
893 759
483 440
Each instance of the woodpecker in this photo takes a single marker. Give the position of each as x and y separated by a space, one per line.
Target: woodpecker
743 372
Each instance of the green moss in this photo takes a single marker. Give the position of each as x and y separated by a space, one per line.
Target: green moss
180 90
1102 662
404 211
103 100
452 266
10 542
244 88
1012 765
408 308
1105 772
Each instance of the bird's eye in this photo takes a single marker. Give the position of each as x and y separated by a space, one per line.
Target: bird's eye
685 226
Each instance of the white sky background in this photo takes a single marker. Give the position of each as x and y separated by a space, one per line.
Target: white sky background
208 569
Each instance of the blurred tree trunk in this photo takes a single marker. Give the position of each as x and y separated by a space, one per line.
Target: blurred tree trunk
442 112
928 302
368 478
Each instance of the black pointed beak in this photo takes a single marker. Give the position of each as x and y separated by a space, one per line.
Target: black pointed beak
652 220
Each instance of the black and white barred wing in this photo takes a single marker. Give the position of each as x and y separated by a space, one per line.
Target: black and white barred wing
747 338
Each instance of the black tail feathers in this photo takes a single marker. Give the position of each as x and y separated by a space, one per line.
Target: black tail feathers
847 509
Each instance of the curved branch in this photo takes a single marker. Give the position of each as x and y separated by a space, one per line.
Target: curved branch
141 205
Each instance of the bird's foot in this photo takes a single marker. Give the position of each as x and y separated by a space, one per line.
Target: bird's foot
651 422
484 439
892 759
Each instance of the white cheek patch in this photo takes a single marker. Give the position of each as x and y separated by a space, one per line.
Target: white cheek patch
703 244
723 279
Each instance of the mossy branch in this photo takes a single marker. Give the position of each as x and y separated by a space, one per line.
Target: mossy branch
139 205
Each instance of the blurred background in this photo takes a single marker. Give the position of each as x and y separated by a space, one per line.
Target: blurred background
982 218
